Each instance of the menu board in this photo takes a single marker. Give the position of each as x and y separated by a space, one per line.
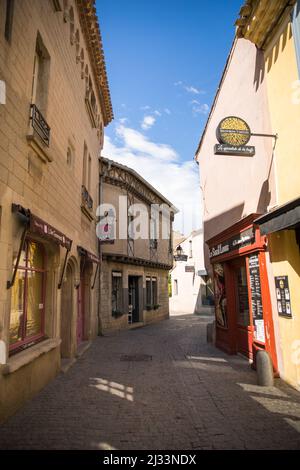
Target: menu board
256 299
283 296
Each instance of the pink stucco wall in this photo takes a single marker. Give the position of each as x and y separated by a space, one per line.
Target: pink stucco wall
234 187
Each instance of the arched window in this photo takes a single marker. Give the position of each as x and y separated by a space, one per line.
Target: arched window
72 26
77 41
66 10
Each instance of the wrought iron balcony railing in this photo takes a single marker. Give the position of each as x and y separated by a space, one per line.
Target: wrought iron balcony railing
39 124
86 198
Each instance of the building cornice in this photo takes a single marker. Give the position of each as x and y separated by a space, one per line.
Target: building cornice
259 19
90 27
119 258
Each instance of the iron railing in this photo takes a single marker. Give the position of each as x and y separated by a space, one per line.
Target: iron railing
39 124
86 198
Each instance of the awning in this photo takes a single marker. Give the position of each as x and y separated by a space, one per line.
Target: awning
286 217
42 228
88 255
34 224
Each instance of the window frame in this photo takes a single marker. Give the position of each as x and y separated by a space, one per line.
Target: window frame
27 341
119 312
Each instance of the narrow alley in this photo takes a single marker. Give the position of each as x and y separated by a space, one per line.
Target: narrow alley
158 387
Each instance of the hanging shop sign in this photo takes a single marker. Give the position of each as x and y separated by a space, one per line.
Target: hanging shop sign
256 299
245 238
181 257
283 296
189 269
233 134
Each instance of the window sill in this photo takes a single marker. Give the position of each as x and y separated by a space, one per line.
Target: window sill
36 143
87 213
26 357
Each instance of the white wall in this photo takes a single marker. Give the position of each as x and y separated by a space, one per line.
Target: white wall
188 299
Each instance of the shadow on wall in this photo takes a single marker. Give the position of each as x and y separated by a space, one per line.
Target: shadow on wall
265 63
217 224
264 197
284 247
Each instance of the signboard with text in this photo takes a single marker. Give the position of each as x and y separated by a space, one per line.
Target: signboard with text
283 296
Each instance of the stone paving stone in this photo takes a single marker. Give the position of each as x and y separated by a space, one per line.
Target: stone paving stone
190 396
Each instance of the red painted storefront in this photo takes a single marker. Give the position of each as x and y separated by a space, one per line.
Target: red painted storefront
244 322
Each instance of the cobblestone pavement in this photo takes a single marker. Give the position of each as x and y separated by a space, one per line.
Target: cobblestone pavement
189 396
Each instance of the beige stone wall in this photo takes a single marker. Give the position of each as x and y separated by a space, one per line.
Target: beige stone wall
111 195
42 180
110 324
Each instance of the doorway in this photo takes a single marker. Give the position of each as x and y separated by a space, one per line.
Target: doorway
83 301
66 313
244 327
133 299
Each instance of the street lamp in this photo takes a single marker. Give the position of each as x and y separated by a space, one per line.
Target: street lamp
179 251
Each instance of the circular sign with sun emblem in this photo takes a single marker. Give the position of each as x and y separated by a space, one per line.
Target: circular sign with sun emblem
233 131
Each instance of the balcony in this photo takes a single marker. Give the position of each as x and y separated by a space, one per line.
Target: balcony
39 124
86 203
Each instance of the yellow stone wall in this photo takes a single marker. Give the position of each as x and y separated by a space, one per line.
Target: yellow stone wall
284 103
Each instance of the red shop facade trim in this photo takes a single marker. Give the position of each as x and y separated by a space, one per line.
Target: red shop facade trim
244 322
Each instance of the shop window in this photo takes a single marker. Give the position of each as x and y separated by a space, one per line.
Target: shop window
9 19
154 292
148 293
220 295
242 297
117 294
27 302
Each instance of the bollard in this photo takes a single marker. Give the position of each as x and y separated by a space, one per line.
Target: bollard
264 367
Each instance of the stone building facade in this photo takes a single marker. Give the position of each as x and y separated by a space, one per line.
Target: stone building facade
57 104
134 272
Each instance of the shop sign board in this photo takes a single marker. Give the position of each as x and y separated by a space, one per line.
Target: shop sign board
190 269
233 134
241 240
283 296
256 299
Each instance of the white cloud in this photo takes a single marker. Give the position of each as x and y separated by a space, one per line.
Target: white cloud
167 111
148 122
159 164
145 108
123 120
178 83
158 113
191 89
200 109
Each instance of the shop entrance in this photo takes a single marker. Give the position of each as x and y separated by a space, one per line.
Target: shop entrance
83 300
244 328
133 299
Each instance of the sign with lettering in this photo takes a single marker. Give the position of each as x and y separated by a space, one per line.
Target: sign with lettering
190 269
242 151
233 134
256 299
239 241
283 296
41 227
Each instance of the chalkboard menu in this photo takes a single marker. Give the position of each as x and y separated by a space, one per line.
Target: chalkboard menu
283 296
256 299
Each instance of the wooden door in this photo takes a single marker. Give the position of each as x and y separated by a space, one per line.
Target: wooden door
80 314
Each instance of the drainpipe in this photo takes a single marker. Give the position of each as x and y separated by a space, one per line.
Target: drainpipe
102 175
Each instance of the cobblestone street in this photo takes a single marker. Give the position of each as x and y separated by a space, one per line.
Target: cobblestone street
189 396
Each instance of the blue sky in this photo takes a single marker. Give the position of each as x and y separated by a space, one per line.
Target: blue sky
164 61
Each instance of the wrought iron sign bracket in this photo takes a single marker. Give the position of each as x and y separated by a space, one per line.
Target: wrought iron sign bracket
64 268
10 284
96 272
